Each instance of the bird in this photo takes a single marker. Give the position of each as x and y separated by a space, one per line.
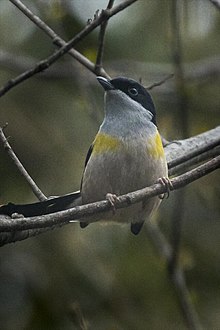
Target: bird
127 154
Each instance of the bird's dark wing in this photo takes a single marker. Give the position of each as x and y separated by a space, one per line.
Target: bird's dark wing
86 161
35 209
85 224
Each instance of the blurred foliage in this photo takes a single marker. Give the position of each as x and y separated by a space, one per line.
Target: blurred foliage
103 274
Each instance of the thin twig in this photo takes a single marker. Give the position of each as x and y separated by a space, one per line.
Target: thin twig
57 40
47 62
159 83
36 190
100 52
81 212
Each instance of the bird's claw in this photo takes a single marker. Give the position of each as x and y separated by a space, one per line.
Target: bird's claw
165 182
113 199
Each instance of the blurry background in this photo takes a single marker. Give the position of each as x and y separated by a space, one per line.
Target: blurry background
103 274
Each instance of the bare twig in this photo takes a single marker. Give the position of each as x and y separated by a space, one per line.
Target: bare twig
159 83
81 212
99 58
55 38
36 190
47 62
200 71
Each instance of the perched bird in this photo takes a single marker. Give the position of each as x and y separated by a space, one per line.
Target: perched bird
126 155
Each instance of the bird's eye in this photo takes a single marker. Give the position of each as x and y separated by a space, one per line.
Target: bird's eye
133 91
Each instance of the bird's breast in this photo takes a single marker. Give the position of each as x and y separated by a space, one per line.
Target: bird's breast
121 165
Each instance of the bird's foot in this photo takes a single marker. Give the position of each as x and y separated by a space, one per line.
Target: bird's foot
165 182
113 199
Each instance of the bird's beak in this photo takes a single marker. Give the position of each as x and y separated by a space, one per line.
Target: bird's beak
106 84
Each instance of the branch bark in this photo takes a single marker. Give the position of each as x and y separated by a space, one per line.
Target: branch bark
81 212
18 229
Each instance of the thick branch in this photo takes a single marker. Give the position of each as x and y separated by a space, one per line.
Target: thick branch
180 151
81 212
173 151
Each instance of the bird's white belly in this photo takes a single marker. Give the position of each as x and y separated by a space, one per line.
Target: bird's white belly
120 173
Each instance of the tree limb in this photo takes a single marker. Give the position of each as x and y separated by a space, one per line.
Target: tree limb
173 151
81 212
182 150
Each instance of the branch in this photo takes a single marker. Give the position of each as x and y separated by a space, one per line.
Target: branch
47 62
67 69
182 150
161 82
36 190
199 71
173 151
194 160
99 58
81 212
57 40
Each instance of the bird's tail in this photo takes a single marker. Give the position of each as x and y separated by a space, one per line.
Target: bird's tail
50 205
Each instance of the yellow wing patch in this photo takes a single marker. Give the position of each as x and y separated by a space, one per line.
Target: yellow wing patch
155 146
104 142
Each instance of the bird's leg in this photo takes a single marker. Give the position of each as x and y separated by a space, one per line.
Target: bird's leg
165 183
